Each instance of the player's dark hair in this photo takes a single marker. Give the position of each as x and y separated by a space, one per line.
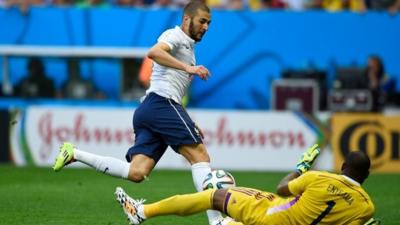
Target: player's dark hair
357 165
194 5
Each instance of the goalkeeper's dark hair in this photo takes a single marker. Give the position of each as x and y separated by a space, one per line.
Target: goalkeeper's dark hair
194 5
356 165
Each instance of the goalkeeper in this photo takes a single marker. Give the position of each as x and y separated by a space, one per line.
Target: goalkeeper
313 198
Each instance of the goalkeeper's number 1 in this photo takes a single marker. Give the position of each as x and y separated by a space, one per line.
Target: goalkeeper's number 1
328 209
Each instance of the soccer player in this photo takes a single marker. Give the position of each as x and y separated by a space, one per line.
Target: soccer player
160 120
317 198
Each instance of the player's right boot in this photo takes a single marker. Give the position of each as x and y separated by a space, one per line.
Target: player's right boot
65 156
130 206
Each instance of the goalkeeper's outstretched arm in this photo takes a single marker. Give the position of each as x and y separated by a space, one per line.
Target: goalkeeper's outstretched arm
305 163
283 188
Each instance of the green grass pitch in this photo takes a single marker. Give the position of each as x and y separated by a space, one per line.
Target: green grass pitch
33 195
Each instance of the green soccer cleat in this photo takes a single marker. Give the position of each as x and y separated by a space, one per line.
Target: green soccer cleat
307 159
65 156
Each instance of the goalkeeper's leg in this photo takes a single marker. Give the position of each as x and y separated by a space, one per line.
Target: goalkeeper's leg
188 204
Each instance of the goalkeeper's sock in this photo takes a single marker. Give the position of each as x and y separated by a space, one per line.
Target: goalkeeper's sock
181 205
199 173
103 164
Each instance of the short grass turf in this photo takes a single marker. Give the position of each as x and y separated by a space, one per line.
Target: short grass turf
31 195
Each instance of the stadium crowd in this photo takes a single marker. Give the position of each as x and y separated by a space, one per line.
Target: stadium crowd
38 84
371 76
392 6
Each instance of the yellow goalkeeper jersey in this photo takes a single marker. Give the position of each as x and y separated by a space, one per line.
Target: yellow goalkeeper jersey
322 198
327 198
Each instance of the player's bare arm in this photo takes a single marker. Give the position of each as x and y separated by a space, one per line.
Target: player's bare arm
283 187
303 165
160 54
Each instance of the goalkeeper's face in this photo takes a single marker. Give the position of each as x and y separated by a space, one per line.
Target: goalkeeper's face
198 25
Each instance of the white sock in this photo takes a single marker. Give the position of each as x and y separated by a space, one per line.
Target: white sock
104 164
141 211
199 173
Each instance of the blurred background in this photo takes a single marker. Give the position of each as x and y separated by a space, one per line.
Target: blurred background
285 74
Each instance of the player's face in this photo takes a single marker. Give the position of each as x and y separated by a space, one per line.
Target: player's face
199 25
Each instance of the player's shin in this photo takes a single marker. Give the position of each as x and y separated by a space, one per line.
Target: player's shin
107 165
181 205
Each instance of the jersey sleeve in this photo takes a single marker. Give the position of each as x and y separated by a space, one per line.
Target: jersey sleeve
170 38
299 185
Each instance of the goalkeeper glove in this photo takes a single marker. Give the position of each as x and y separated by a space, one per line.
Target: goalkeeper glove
307 159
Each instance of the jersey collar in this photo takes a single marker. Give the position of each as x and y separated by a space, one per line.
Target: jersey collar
351 180
189 39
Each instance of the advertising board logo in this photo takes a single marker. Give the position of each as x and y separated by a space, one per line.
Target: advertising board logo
373 138
52 130
223 134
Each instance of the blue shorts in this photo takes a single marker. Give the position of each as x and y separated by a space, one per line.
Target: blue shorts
160 122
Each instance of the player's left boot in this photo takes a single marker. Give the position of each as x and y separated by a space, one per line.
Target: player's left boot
65 157
130 206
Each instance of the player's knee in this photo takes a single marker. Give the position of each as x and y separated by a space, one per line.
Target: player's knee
137 176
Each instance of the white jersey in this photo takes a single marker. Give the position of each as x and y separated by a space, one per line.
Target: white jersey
169 82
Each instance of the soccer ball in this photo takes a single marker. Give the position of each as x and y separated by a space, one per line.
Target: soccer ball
218 179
